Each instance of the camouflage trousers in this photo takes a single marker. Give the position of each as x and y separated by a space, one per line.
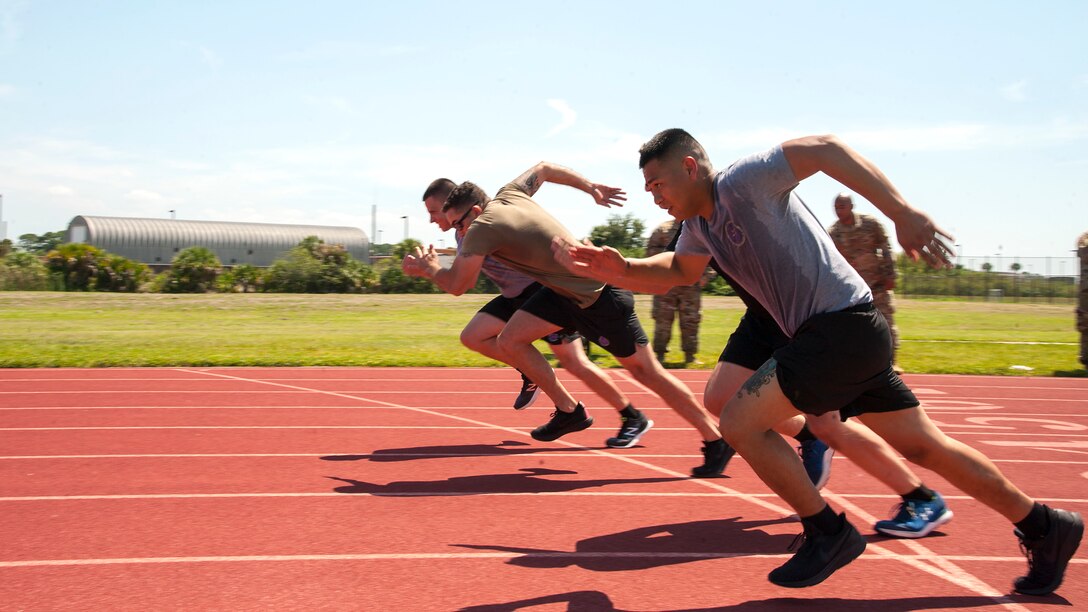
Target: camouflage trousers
885 303
683 300
1082 303
1082 327
1082 319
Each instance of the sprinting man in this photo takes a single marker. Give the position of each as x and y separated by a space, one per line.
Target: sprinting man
921 511
481 332
515 230
748 218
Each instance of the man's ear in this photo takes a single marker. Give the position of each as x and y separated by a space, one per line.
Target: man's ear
691 167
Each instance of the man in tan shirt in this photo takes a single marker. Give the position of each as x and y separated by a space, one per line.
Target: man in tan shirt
513 229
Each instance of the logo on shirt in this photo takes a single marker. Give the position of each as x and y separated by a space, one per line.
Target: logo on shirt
603 342
735 233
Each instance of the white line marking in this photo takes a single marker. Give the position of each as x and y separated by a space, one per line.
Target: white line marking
334 494
474 555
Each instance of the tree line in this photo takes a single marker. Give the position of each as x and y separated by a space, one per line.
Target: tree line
46 262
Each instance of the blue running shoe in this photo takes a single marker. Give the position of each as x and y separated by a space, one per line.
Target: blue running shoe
916 519
816 457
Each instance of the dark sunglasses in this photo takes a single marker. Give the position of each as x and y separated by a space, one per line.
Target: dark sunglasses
458 224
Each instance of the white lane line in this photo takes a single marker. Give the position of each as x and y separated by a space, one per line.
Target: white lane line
334 494
474 555
1036 439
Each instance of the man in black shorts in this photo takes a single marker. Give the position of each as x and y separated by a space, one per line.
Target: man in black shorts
749 220
516 231
757 337
515 288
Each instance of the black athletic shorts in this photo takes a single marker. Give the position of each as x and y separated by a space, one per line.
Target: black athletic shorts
842 361
503 308
754 341
610 322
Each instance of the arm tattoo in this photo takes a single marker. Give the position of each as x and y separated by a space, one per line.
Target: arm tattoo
532 183
761 378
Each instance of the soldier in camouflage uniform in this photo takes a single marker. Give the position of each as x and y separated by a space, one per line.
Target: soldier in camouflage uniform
687 301
862 241
1082 298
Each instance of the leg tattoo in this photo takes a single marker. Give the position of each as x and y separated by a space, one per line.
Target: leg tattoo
761 378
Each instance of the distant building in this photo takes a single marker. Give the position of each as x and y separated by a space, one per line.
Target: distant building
157 241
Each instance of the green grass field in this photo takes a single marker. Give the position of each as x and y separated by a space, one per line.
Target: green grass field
46 329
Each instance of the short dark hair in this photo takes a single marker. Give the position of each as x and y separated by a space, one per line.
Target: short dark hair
465 195
440 187
671 143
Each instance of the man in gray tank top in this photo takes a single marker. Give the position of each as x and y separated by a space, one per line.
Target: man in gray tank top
749 220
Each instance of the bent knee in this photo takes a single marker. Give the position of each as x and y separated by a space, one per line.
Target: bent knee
471 341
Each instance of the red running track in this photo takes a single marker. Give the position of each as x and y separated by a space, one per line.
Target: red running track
420 489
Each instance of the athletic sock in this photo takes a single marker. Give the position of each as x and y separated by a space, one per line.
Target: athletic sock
824 521
1036 524
922 493
804 435
630 412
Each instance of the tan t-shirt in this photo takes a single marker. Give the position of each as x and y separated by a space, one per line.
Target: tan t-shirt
518 232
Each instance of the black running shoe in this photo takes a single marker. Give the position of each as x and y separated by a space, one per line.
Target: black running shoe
1049 555
716 455
529 392
631 431
563 423
819 556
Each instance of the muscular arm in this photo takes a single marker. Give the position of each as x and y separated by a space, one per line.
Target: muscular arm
457 279
656 274
920 237
547 172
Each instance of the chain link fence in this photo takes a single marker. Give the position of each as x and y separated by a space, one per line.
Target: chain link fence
994 278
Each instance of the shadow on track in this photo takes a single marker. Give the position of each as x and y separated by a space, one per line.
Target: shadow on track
658 545
595 601
526 480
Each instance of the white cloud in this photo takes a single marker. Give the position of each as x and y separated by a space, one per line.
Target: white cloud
61 190
1015 92
567 116
143 195
210 57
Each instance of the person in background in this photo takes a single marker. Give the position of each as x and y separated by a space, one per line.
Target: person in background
683 303
863 242
1082 298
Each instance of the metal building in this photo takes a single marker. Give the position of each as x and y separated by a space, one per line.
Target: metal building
157 241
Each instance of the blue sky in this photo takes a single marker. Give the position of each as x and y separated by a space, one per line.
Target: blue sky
289 112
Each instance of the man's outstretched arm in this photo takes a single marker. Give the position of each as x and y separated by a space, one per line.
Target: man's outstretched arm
546 172
457 279
656 274
917 233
